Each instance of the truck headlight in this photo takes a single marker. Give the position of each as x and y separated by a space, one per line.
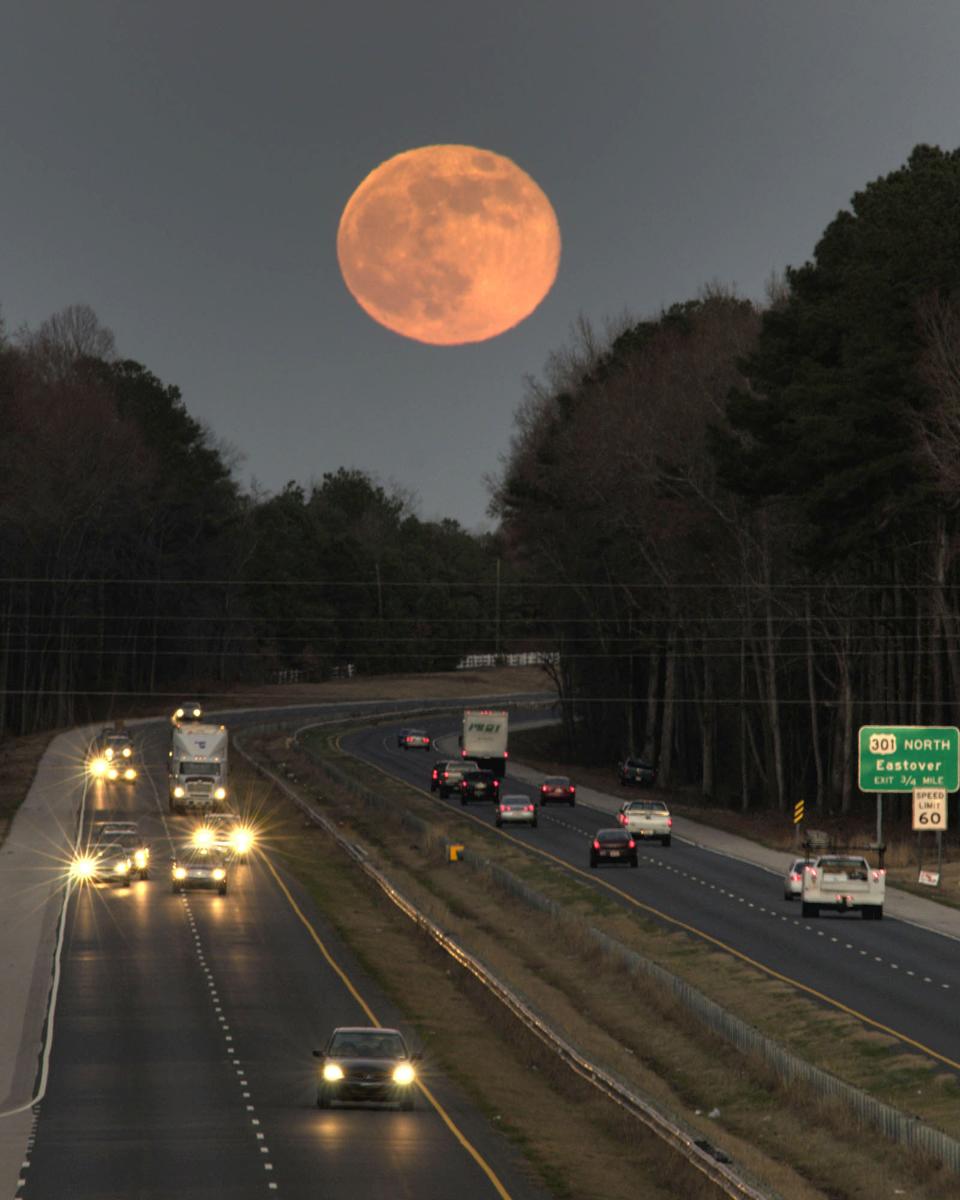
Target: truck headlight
220 793
123 867
404 1074
140 858
179 872
130 774
203 837
127 752
178 792
332 1072
83 867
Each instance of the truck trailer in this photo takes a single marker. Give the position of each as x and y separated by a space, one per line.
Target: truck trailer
483 738
198 768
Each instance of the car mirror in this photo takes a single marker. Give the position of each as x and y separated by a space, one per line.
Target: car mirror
416 1057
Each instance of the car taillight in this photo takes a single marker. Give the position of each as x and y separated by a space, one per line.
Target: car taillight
435 774
529 808
813 872
596 843
572 789
877 876
632 844
669 822
543 787
795 877
506 754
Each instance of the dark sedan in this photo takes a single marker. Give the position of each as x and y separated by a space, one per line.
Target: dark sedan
635 770
479 785
613 846
557 789
366 1063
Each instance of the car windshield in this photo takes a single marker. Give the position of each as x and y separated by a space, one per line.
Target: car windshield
416 733
351 1043
646 806
514 800
636 762
557 781
477 776
612 835
113 850
206 769
196 856
118 743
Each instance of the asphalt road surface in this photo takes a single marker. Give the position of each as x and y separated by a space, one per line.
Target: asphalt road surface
181 1061
896 974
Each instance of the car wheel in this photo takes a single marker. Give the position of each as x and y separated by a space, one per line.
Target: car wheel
499 823
534 822
572 803
634 862
144 874
666 840
810 910
174 889
222 889
323 1098
593 864
463 800
406 1104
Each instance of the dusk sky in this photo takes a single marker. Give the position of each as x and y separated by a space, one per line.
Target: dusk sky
182 168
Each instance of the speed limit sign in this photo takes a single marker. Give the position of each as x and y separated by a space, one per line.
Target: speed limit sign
929 809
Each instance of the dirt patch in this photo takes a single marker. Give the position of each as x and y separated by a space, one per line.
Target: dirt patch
19 759
439 685
639 1033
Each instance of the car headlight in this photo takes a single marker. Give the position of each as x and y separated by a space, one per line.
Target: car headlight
220 794
130 773
203 837
108 753
178 792
140 858
127 752
331 1072
242 840
179 872
403 1073
112 772
83 867
98 767
123 867
219 873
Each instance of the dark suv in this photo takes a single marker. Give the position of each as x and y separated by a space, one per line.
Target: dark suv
479 785
635 770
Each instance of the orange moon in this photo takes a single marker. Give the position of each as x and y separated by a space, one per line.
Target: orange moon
448 244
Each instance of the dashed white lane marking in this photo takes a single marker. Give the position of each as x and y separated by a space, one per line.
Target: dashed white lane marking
259 1135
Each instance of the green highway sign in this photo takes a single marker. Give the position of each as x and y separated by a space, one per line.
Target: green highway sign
899 758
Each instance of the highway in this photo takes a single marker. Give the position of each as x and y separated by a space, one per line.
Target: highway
181 1059
897 975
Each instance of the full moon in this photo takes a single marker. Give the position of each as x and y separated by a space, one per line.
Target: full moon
448 244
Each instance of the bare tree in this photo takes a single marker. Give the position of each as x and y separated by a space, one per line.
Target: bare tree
64 340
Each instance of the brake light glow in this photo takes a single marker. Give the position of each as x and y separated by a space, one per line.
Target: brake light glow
596 843
813 872
633 844
529 808
669 822
572 789
435 774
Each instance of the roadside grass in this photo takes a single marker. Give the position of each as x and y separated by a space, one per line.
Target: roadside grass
667 1053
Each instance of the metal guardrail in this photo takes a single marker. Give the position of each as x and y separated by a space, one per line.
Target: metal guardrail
704 1157
900 1127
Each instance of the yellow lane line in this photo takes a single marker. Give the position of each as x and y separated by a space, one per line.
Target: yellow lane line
372 1017
656 912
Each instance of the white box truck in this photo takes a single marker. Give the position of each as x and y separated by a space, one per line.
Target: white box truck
483 738
198 768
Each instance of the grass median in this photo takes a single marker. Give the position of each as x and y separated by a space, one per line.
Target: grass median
638 1033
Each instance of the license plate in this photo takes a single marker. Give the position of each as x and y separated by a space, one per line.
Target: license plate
614 853
481 787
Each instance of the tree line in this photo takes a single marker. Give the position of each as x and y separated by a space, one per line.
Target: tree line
749 513
135 566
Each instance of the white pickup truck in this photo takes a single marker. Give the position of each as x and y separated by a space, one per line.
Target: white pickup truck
648 819
843 882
